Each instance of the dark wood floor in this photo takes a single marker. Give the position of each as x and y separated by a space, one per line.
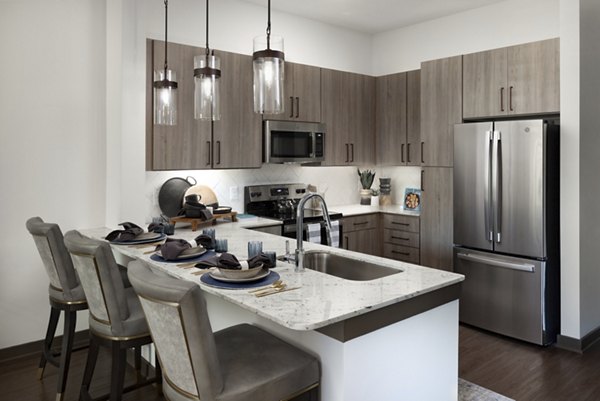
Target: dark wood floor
527 372
515 369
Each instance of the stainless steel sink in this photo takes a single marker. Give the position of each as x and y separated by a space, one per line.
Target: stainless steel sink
344 267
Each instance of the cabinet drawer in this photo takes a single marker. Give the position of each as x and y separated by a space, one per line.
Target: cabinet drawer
398 237
363 222
400 222
399 252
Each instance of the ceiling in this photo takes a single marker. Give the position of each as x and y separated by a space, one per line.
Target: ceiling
373 16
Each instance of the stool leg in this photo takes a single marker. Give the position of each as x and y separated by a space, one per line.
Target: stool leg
158 373
47 347
65 354
89 368
137 353
117 379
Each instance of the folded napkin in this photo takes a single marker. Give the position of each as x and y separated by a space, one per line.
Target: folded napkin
225 260
260 258
172 248
128 234
206 241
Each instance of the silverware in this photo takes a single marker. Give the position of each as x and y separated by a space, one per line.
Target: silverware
276 291
275 284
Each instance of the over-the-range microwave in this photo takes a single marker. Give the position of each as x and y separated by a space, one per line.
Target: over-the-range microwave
293 142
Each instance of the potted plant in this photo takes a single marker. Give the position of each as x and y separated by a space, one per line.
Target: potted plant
366 180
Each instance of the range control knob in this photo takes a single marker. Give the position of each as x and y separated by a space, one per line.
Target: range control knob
255 194
300 191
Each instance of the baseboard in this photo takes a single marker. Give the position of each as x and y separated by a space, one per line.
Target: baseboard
35 347
578 345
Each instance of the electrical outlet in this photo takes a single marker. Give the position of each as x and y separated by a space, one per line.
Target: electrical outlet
234 193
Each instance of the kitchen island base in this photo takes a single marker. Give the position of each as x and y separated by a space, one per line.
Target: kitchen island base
414 359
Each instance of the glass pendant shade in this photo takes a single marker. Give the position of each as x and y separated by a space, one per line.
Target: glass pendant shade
165 97
268 66
207 82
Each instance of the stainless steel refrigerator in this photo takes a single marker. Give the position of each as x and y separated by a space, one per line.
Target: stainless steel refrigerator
506 227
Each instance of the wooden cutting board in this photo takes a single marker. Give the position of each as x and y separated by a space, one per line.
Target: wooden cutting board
207 195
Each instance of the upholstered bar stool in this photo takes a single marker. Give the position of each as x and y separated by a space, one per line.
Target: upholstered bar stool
65 294
116 317
240 363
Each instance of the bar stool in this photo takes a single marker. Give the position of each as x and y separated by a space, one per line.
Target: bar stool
240 363
116 317
65 295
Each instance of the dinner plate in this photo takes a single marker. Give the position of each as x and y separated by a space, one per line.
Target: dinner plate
216 274
189 253
143 238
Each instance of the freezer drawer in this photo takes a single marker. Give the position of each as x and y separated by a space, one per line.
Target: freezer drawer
503 294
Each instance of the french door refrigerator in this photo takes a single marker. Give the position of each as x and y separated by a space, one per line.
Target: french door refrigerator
506 227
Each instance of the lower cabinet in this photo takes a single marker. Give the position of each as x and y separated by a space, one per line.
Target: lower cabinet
362 234
401 238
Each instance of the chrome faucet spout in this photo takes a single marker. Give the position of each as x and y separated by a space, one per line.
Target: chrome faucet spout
299 260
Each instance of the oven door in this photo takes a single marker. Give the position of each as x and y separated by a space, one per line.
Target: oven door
289 231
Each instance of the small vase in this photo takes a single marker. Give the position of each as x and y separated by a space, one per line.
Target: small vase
375 201
365 196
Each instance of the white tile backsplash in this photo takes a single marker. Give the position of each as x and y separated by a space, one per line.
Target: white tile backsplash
339 185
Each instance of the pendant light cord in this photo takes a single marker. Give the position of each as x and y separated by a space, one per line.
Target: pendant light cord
166 19
269 25
207 48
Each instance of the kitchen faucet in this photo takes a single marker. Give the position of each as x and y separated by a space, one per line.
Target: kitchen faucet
299 259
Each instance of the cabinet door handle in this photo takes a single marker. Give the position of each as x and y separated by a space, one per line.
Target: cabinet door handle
502 98
352 152
400 224
402 238
297 107
347 153
219 152
361 223
422 152
346 242
402 153
401 253
208 153
408 152
291 106
510 93
422 186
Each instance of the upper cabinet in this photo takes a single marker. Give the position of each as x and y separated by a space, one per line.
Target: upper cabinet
348 110
398 119
302 101
441 108
517 80
233 142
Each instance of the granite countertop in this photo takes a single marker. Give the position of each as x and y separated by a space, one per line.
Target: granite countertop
322 299
356 210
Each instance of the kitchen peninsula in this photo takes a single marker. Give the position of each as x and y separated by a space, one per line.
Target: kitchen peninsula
390 338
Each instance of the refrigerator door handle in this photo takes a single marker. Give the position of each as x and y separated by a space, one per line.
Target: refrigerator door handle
498 188
524 267
487 187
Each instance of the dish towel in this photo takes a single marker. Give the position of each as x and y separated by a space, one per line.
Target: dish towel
313 233
335 234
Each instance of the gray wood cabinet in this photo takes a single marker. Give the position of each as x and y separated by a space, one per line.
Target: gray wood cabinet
237 136
348 110
436 218
401 237
516 80
362 234
187 145
233 142
441 108
398 119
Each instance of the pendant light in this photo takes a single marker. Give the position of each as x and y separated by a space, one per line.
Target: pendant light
207 77
268 66
165 89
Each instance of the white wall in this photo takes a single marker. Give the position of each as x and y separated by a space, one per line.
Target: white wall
589 163
501 24
52 157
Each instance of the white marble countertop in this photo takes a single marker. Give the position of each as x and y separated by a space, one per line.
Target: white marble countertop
356 210
322 299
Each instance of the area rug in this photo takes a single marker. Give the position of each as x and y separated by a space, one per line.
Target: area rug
468 391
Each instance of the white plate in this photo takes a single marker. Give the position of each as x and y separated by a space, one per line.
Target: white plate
188 253
216 274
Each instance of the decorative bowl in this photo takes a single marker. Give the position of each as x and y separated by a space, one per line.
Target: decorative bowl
241 274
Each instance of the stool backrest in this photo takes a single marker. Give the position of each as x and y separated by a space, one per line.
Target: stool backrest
49 241
180 328
101 280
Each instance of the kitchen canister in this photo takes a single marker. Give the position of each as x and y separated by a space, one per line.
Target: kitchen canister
385 191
